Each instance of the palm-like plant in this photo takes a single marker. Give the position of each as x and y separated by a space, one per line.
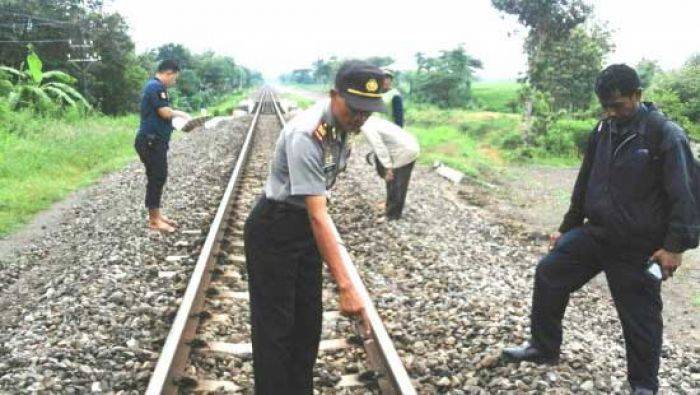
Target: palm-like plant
31 86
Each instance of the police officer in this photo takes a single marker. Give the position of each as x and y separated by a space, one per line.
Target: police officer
289 232
392 98
153 137
395 153
633 203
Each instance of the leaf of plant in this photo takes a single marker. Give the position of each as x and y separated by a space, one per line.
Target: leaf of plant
38 93
60 95
59 76
35 65
70 91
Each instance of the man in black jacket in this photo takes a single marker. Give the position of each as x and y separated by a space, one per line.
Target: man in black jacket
633 202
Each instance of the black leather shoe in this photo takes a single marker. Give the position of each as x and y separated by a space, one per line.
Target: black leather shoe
528 353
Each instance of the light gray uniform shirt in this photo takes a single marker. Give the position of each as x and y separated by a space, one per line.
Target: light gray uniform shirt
303 165
393 146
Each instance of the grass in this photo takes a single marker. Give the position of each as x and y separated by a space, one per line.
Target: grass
51 158
696 300
497 96
484 141
301 101
319 88
229 103
461 139
456 149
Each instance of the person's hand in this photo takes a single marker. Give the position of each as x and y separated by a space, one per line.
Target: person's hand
350 302
553 239
669 261
389 176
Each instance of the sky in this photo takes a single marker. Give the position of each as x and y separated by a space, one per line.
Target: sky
275 37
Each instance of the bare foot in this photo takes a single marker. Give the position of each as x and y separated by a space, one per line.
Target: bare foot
161 226
168 221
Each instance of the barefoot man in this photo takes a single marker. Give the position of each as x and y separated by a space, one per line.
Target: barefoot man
153 139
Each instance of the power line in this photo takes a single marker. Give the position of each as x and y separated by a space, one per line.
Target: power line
41 18
19 24
34 41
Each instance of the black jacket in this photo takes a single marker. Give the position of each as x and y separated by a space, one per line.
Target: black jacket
632 197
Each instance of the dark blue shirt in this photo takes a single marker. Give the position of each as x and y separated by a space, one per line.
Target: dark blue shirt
154 97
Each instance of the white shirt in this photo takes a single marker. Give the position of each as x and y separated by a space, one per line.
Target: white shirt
393 146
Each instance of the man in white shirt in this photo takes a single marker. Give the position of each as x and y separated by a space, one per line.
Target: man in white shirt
395 153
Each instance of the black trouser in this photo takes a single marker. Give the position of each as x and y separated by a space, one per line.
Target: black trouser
577 258
153 152
396 189
284 281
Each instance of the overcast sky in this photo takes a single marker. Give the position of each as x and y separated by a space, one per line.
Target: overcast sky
277 36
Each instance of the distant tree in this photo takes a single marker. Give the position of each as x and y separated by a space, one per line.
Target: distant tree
117 77
693 60
647 69
563 56
176 52
444 80
566 69
322 71
678 94
301 76
380 61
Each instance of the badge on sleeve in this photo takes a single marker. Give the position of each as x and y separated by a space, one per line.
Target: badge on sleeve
164 95
320 132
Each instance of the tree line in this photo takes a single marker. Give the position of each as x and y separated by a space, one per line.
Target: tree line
566 48
444 80
91 52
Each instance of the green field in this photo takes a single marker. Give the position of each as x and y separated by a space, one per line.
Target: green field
301 101
481 142
496 96
459 138
488 138
229 103
43 160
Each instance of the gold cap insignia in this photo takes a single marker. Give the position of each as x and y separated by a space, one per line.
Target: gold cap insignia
372 85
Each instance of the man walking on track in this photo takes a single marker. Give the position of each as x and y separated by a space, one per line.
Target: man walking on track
289 232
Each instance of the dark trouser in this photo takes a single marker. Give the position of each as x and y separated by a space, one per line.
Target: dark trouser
396 189
153 152
577 258
284 281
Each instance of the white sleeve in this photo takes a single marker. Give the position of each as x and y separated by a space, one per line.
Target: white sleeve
375 140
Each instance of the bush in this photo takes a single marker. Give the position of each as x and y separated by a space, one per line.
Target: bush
668 101
566 137
510 140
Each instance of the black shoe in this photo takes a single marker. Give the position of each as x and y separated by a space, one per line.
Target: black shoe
529 353
642 391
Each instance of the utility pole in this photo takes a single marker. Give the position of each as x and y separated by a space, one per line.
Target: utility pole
83 63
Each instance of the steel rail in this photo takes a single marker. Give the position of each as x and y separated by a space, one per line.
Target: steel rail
382 355
176 349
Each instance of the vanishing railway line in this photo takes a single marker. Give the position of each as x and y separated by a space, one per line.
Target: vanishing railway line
208 348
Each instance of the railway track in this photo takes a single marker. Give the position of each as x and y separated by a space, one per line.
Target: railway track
208 348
